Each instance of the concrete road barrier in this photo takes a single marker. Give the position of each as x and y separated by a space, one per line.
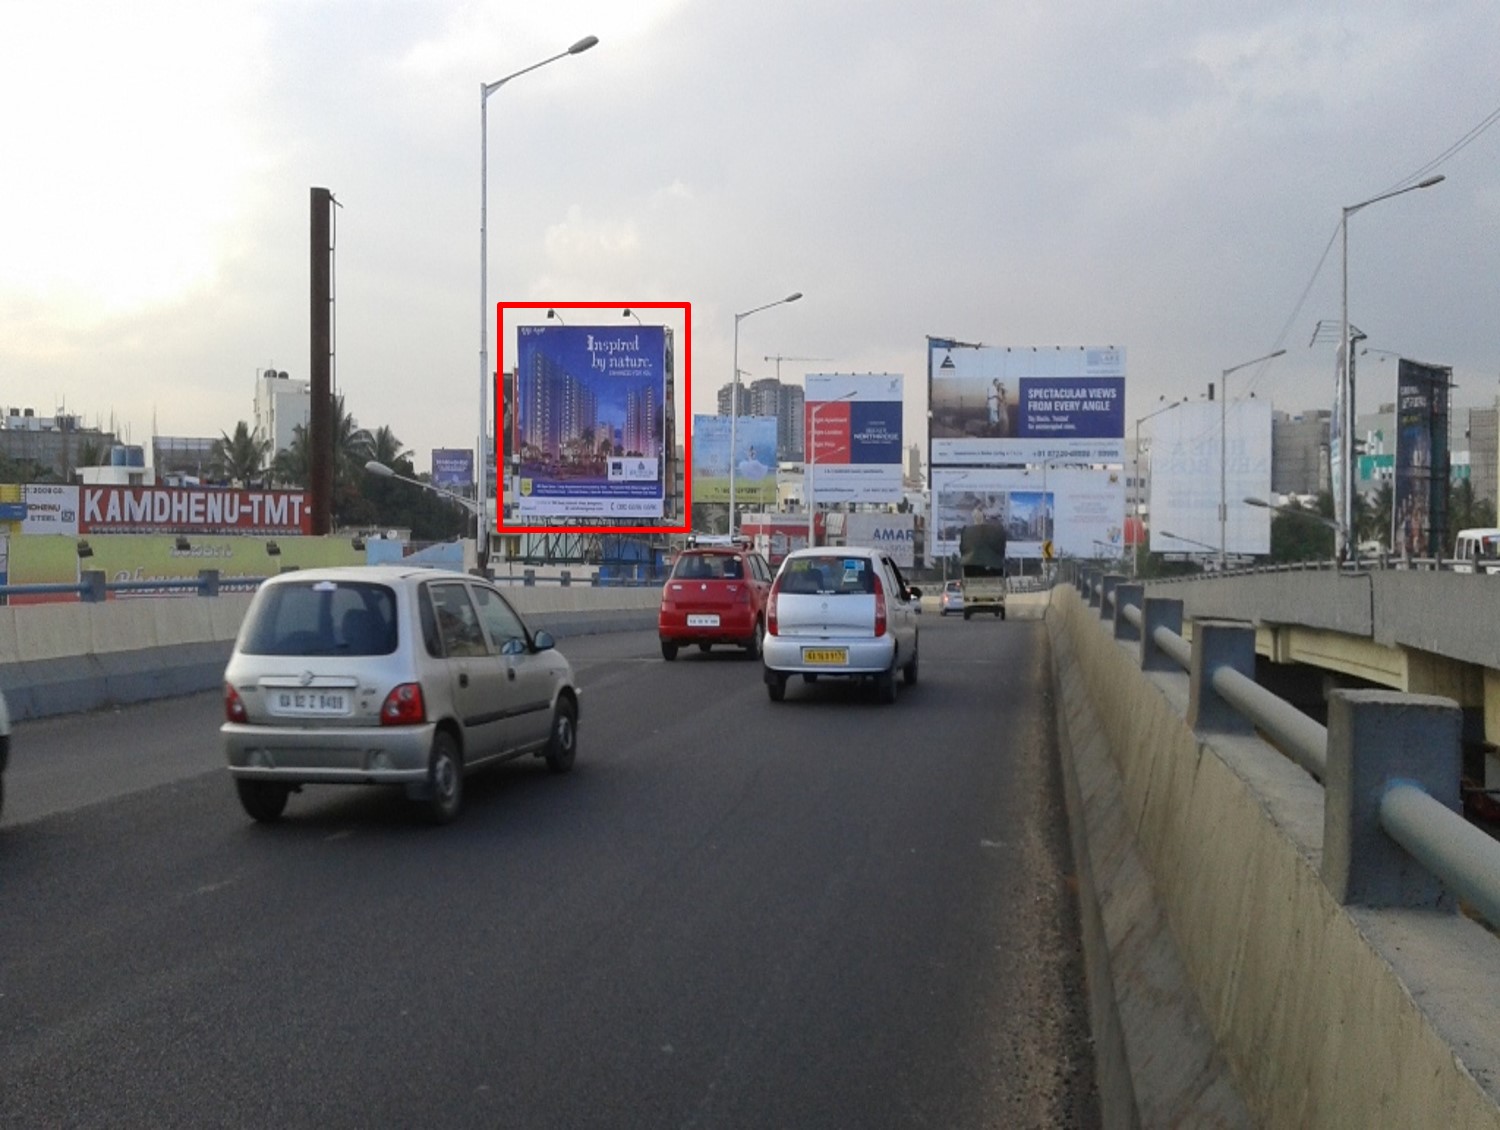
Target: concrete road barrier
65 658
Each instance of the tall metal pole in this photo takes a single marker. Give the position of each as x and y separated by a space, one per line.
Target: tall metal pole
1344 511
734 401
1344 504
320 422
480 452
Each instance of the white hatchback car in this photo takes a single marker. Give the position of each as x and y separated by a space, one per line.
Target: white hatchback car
389 675
841 611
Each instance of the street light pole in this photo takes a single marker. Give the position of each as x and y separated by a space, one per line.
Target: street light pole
1224 451
1135 559
1343 507
812 462
381 471
734 398
480 454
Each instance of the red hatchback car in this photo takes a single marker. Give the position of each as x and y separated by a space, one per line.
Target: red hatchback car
715 595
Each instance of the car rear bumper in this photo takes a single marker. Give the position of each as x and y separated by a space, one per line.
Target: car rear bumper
379 755
734 626
787 655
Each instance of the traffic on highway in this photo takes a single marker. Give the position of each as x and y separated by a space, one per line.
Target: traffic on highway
818 912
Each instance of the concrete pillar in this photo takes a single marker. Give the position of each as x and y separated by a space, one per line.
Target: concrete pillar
208 582
1127 596
1376 738
1219 643
1159 612
1094 589
1111 581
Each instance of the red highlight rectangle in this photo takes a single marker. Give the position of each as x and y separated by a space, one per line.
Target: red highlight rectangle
828 432
683 350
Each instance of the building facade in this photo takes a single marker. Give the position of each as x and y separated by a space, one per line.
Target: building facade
282 405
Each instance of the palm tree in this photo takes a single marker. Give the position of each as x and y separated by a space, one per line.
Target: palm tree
241 457
352 449
386 448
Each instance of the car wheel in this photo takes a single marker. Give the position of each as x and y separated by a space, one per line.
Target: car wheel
967 613
1002 614
668 651
264 801
885 686
562 747
752 648
909 672
776 687
445 779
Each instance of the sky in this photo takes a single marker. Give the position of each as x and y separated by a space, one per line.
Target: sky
1164 177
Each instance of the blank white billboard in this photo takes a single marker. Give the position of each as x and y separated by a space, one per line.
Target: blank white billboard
1185 475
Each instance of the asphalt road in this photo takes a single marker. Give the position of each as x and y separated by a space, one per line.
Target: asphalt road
733 913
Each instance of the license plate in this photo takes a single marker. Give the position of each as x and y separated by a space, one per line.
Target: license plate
825 656
703 620
309 703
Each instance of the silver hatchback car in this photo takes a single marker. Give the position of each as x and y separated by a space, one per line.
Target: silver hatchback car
389 675
841 611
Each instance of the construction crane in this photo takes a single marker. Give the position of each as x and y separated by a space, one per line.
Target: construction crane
778 358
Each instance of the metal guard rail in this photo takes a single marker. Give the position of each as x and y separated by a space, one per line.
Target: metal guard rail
1462 856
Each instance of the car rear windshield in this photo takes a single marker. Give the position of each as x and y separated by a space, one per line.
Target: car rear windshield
828 574
321 618
708 567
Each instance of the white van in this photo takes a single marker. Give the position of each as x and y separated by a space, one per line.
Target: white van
1477 551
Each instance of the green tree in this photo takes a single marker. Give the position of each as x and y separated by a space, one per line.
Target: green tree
239 458
1298 535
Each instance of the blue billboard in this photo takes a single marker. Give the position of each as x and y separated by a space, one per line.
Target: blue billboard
591 421
452 467
1007 406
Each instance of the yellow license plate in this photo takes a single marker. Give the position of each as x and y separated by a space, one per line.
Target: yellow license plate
826 656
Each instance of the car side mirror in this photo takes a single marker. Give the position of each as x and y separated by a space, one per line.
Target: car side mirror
913 594
543 640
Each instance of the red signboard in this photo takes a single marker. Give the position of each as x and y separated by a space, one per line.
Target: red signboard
192 510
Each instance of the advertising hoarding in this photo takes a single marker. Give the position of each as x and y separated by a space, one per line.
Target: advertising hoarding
999 405
1185 466
1419 499
51 508
893 533
852 432
1081 510
187 510
754 460
454 467
591 412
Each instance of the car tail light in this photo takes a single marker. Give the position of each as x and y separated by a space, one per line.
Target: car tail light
879 606
771 623
404 706
234 706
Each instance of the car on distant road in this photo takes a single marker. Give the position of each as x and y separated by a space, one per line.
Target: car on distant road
842 612
389 675
952 598
716 594
4 747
